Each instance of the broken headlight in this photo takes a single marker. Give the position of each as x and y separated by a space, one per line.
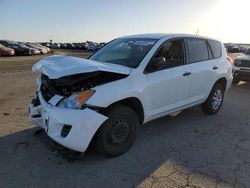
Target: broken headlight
76 101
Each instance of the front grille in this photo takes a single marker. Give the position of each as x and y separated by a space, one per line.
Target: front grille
65 130
244 63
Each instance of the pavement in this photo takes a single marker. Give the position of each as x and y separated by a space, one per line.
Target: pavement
191 149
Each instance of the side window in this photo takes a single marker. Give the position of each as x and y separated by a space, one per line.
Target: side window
215 47
171 54
197 50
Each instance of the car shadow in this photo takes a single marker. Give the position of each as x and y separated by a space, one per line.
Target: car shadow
191 145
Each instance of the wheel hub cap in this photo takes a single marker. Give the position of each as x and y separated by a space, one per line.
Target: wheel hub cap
119 132
217 99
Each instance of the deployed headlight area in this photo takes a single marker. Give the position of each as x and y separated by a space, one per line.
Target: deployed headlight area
76 89
76 100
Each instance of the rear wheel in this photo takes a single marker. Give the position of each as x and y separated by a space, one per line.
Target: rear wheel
118 133
215 99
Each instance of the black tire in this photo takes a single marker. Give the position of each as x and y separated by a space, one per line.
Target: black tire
215 100
236 81
118 133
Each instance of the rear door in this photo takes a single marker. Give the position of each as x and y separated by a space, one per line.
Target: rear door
203 66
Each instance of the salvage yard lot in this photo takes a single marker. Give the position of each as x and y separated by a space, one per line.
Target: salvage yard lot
189 150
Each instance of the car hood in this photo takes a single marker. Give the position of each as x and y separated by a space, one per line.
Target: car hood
59 66
243 57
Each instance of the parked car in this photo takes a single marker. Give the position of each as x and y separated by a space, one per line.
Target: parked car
77 45
55 45
42 50
47 44
233 49
84 45
67 46
41 46
92 46
19 49
100 45
5 51
34 51
70 45
243 48
242 67
130 81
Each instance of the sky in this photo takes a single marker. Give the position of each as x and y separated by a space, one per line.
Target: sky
104 20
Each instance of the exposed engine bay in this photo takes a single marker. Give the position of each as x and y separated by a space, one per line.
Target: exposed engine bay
67 85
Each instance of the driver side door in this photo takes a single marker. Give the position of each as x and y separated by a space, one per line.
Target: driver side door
168 86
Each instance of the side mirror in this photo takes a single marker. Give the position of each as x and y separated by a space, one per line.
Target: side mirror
158 63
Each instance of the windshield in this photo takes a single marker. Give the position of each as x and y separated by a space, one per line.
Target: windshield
247 51
125 51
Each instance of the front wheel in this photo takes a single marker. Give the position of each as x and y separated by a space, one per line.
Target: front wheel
215 99
118 133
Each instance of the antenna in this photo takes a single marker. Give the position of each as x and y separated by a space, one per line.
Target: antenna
197 32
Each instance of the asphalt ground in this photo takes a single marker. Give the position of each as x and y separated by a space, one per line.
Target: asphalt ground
191 149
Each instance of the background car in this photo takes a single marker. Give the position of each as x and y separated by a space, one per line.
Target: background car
92 46
70 46
243 48
19 49
41 46
33 45
234 49
55 45
33 50
5 51
47 44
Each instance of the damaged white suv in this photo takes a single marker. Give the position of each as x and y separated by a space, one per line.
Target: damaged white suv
128 82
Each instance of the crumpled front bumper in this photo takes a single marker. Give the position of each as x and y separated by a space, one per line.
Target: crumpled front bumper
83 123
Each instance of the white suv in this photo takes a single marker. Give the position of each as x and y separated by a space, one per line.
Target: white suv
129 82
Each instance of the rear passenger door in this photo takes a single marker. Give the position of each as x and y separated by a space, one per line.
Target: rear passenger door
203 68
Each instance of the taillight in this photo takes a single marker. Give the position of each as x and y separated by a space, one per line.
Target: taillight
229 59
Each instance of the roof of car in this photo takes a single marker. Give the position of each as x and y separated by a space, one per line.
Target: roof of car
161 35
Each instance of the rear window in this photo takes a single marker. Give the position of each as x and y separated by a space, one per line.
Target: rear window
215 47
197 50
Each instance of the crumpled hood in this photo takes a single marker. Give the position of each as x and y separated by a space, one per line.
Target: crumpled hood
58 66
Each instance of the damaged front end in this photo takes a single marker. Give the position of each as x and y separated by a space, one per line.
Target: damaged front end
65 75
68 85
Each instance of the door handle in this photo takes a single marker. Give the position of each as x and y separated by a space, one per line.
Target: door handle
215 68
187 74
